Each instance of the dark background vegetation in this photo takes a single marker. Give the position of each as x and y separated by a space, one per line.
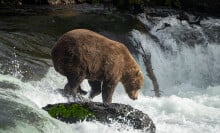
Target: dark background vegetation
207 6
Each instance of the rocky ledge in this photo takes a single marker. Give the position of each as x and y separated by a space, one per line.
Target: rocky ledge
89 111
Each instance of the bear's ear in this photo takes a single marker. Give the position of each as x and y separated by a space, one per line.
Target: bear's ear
138 73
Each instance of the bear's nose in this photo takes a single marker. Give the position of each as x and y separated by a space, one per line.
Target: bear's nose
134 97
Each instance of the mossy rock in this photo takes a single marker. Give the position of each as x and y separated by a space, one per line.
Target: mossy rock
89 111
70 112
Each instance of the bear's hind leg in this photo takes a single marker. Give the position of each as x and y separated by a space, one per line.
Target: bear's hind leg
95 88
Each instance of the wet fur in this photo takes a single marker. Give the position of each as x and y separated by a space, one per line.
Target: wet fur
83 54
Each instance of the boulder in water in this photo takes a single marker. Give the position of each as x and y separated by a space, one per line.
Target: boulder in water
104 113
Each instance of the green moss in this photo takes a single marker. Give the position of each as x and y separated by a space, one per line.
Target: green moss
74 111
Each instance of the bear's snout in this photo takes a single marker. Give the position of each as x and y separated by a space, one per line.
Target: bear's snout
134 98
134 95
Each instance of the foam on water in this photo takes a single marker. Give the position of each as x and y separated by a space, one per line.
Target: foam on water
173 113
21 114
179 114
37 94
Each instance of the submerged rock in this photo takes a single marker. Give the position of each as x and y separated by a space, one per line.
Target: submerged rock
121 113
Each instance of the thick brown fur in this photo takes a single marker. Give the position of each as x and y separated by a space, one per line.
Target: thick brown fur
83 54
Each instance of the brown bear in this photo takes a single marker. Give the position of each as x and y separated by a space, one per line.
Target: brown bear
83 54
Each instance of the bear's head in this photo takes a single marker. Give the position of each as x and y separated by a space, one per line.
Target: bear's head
133 86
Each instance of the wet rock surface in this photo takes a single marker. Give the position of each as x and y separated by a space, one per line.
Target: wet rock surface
103 113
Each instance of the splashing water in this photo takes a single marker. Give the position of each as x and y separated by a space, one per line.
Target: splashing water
16 71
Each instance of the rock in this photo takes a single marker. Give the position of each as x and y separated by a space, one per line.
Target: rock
121 113
207 6
191 19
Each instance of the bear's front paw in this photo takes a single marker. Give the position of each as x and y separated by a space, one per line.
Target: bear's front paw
106 104
82 92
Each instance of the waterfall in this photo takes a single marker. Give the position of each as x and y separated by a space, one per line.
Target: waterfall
181 53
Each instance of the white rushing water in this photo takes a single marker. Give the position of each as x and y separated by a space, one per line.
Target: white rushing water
183 112
188 76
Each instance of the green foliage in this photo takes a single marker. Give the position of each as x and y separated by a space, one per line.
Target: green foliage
168 2
95 1
173 3
177 3
121 4
74 111
135 1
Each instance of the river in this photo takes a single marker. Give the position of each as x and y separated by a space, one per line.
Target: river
185 59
